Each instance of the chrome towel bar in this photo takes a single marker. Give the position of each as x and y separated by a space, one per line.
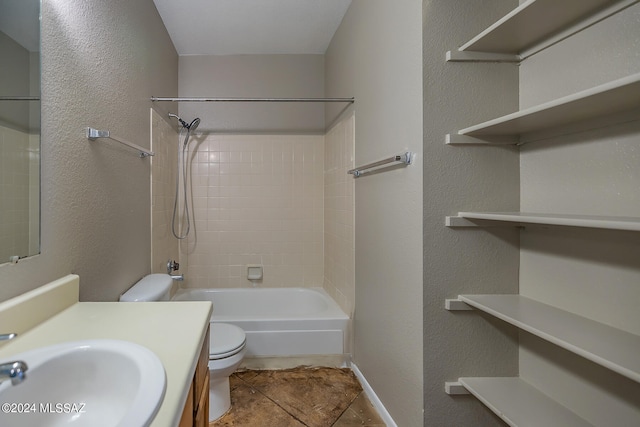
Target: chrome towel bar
405 158
93 134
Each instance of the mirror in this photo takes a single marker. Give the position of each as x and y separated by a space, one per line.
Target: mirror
19 129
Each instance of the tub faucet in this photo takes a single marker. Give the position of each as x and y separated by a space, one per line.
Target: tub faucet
16 370
174 266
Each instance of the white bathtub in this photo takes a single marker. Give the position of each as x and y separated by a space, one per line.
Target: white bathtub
278 321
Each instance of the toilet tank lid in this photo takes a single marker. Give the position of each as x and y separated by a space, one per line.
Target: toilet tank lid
150 288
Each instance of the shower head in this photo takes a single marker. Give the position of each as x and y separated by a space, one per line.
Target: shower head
188 126
194 124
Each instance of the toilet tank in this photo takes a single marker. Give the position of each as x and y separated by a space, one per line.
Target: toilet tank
153 287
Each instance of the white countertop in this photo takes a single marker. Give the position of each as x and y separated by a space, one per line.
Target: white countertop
174 331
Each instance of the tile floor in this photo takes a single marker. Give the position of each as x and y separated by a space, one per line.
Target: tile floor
311 397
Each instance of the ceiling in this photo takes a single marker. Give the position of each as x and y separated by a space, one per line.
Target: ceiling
234 27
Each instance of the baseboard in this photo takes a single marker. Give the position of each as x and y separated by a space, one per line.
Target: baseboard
373 398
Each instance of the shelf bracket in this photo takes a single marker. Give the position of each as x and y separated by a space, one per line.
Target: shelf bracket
468 56
457 139
458 221
454 388
456 305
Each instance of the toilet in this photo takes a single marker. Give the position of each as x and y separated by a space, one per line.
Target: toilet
227 347
227 343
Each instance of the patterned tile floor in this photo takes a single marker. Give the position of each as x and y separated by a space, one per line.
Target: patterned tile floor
299 397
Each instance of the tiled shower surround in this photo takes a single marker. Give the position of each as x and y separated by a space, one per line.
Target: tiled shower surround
164 143
281 201
339 238
257 199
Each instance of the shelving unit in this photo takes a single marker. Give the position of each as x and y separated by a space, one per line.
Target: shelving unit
612 348
610 98
527 30
465 219
533 23
519 404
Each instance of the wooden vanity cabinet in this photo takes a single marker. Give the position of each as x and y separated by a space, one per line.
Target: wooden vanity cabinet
196 409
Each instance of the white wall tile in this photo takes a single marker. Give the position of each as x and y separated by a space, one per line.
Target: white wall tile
260 202
164 245
339 238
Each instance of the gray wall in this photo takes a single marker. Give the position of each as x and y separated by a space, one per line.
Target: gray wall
101 62
376 57
468 178
253 76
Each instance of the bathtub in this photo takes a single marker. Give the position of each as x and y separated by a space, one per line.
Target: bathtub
278 321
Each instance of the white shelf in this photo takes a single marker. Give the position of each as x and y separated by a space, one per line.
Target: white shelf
521 405
612 348
610 98
531 23
589 221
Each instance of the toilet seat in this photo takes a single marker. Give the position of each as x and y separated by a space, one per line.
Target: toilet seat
225 340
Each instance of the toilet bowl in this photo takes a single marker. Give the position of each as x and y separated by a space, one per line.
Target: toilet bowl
227 347
226 342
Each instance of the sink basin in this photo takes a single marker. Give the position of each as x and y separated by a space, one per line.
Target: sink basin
85 383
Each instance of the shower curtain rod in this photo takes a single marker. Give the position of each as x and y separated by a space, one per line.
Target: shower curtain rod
350 100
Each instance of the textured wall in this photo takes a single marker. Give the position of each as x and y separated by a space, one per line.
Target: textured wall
101 61
465 178
376 57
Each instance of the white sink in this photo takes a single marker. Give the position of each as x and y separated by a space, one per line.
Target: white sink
85 383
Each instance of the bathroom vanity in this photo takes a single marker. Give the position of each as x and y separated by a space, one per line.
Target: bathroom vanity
196 409
176 332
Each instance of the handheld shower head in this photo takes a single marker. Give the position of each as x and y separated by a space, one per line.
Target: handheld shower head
188 126
194 124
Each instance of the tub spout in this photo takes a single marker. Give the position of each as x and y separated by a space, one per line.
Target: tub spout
14 371
178 277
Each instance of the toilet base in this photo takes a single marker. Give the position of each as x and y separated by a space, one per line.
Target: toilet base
219 397
219 371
